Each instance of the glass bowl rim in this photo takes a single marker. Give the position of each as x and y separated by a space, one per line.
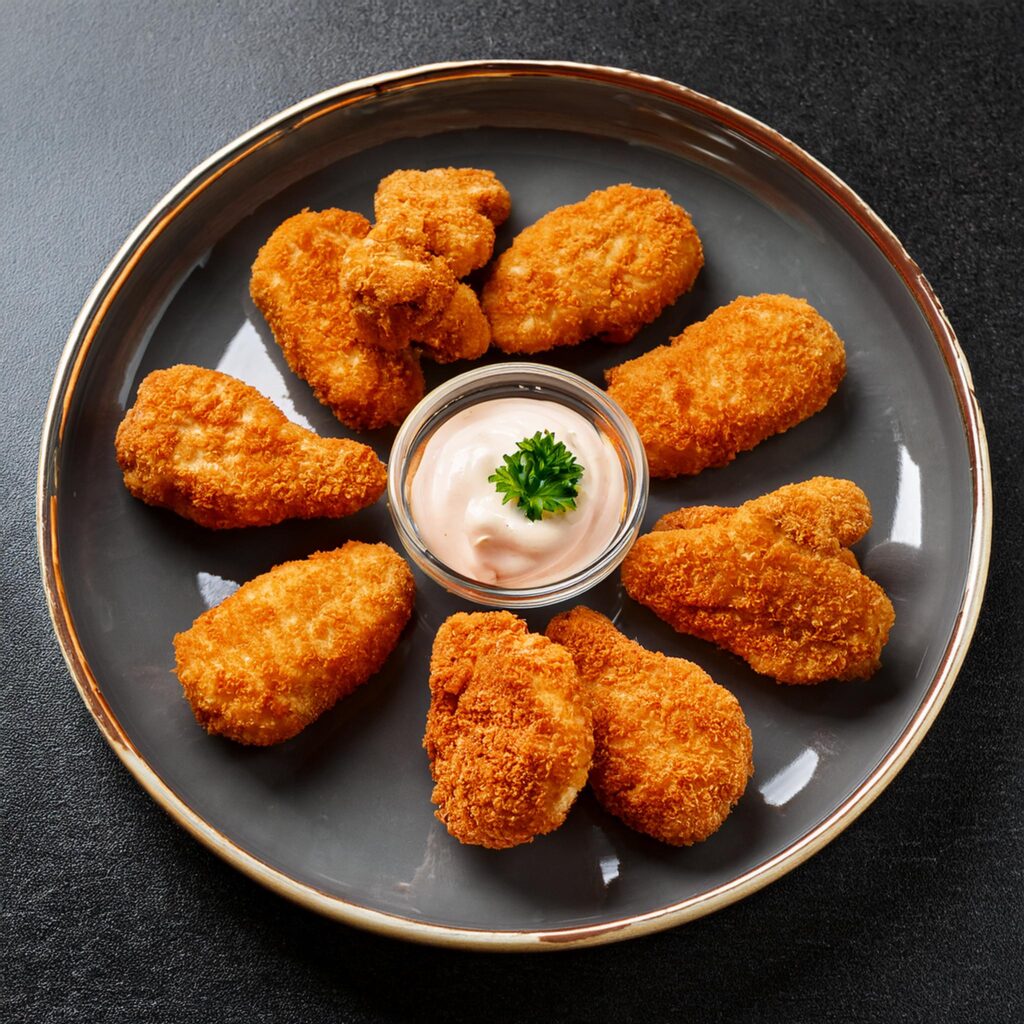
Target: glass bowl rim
456 394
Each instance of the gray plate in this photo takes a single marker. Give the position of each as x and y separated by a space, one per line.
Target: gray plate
340 817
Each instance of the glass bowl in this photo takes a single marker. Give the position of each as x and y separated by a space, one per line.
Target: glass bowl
517 380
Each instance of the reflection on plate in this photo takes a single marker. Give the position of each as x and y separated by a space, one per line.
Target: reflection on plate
339 818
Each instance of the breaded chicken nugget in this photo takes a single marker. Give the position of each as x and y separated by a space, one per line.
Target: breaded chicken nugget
672 751
400 294
604 266
459 208
286 646
825 513
754 368
397 289
508 732
216 451
295 285
771 581
461 332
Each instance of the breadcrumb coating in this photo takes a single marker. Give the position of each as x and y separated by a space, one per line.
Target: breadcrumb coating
508 733
216 451
286 646
753 368
433 227
401 294
295 285
672 751
459 206
460 332
604 266
397 288
772 581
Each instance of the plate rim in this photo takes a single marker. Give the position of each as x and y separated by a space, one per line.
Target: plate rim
104 293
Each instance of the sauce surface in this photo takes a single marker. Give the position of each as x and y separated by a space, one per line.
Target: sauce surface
460 516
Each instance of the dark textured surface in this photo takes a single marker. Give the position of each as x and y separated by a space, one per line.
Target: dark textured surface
111 912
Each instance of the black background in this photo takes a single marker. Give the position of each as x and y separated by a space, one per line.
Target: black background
109 911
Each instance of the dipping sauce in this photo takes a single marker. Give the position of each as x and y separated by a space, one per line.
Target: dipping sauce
459 514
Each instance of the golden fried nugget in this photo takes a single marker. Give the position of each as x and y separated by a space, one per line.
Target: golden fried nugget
216 451
397 289
461 332
604 266
672 751
401 294
508 732
771 581
459 208
286 646
295 285
754 368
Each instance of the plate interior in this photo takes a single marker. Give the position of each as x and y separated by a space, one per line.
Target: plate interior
345 806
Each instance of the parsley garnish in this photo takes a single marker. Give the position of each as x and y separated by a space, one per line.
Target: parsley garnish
541 474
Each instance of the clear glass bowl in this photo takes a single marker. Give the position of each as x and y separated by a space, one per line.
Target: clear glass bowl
517 380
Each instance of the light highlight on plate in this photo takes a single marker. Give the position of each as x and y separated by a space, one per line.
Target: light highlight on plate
786 783
906 517
246 358
609 869
214 589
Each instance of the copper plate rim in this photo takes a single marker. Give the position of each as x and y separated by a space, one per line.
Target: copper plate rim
105 292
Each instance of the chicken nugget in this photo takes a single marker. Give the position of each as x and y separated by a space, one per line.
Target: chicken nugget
460 332
396 288
459 208
286 646
401 294
295 285
753 368
508 733
216 451
772 581
604 266
825 513
672 751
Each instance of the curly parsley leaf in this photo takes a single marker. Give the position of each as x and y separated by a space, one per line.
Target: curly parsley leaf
540 476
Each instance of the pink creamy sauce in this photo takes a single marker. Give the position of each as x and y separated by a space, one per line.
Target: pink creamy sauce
460 516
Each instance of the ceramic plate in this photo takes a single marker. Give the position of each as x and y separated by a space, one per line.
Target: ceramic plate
340 817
